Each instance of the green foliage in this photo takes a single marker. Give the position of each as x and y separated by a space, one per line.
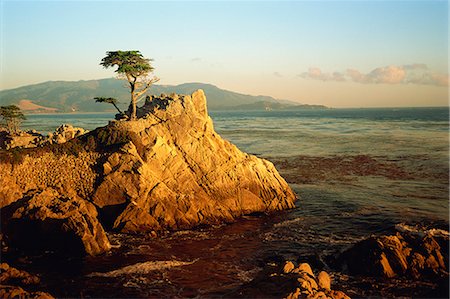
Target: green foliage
133 67
128 62
12 117
112 101
106 100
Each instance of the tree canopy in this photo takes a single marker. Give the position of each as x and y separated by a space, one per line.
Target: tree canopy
12 117
136 69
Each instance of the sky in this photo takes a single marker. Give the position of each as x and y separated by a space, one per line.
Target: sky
335 53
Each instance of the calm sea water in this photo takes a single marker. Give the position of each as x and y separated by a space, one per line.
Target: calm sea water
357 172
308 132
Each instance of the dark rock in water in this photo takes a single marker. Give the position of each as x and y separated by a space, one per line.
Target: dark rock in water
289 281
14 292
12 280
10 275
47 220
415 255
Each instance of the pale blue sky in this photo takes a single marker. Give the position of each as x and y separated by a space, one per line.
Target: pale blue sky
357 53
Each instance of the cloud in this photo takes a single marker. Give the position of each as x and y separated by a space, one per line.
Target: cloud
355 75
339 76
317 74
392 74
387 75
277 74
440 79
196 59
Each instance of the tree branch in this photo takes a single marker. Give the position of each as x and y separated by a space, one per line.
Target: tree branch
147 86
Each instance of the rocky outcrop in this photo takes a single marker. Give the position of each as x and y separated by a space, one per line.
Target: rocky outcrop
65 133
47 220
168 170
33 138
310 286
289 281
415 255
12 280
176 172
20 139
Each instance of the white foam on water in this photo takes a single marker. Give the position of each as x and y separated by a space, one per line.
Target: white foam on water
414 230
142 268
247 276
289 222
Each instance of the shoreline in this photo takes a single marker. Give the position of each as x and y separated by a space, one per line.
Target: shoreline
344 198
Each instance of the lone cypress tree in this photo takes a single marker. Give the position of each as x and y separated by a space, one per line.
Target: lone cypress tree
12 117
136 69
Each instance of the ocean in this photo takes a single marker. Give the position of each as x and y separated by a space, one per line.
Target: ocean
357 173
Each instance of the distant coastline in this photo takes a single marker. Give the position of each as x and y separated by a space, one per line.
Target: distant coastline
299 108
77 96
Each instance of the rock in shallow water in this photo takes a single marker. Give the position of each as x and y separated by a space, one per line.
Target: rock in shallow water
406 254
311 287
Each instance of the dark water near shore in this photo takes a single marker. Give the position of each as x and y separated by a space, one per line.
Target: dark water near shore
357 172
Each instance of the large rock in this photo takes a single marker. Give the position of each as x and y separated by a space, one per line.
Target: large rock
414 255
47 220
12 280
167 170
175 172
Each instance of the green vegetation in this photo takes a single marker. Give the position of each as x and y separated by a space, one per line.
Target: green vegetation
134 68
12 117
112 101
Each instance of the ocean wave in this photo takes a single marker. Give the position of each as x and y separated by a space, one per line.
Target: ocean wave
142 268
247 276
421 232
289 222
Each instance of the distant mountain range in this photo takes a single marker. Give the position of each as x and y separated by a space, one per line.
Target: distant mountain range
71 96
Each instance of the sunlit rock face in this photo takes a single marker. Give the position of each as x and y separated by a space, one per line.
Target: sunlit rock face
48 220
176 172
168 170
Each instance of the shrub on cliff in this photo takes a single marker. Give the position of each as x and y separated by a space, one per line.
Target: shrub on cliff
111 101
12 117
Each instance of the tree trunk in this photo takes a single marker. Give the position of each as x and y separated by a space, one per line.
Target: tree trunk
133 106
133 102
117 108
